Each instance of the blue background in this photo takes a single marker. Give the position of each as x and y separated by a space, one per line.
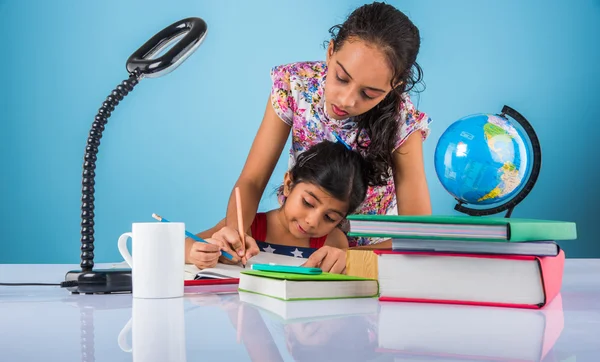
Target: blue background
176 145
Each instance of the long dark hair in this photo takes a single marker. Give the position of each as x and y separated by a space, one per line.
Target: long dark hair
393 33
342 173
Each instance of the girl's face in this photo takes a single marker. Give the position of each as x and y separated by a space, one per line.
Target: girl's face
358 78
309 211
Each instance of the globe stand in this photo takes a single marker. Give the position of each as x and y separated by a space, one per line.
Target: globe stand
481 212
535 171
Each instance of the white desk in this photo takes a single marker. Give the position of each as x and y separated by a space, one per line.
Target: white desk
50 324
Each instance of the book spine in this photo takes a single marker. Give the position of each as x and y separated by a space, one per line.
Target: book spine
551 270
541 231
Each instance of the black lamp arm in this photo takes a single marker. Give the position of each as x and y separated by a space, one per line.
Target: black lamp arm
141 63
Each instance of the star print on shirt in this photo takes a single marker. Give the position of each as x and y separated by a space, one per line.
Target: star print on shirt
269 249
296 251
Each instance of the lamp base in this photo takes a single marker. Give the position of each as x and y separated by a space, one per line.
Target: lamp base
100 281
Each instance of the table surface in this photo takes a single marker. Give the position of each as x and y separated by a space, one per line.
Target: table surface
49 323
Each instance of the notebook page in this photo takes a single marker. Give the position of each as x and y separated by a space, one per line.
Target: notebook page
223 271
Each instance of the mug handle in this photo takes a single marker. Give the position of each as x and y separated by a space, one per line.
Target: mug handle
122 340
122 244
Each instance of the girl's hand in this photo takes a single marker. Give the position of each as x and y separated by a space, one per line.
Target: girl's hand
206 255
230 239
329 259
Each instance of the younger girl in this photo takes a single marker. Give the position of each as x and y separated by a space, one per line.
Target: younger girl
327 182
360 93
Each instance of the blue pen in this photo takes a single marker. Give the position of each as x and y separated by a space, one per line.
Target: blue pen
190 235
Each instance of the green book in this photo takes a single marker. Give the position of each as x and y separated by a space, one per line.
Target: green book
291 286
461 227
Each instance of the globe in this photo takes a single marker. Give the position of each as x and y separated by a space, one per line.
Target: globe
486 159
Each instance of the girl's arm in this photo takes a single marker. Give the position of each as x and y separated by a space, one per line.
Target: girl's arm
262 159
412 192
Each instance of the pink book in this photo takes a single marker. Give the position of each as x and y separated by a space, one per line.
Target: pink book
473 279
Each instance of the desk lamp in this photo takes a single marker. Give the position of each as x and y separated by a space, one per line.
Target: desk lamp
141 64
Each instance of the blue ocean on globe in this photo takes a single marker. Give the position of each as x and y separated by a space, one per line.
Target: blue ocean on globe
482 159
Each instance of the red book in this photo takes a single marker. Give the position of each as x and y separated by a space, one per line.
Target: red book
474 279
213 286
211 281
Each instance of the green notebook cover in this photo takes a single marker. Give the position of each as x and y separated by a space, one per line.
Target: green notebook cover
518 230
304 277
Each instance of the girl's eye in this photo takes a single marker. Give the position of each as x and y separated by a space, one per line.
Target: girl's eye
365 95
306 203
340 79
329 218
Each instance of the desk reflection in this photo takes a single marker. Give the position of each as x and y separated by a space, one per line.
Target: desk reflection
157 330
325 330
367 330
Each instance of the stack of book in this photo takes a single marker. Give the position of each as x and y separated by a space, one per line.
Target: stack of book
468 260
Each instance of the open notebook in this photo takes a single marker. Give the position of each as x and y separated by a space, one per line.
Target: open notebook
226 271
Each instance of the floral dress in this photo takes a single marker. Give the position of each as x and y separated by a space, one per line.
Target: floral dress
298 98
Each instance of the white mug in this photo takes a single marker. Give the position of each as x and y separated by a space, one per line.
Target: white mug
157 330
157 260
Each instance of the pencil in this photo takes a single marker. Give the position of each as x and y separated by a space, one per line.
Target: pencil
190 235
240 220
